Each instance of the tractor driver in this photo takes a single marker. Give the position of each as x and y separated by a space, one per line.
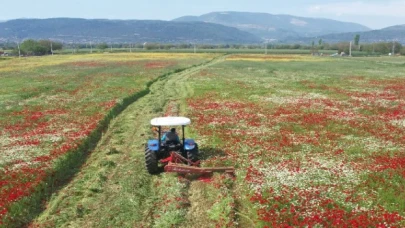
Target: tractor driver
171 136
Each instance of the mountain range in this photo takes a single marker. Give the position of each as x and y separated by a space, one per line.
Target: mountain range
393 33
212 28
277 27
98 30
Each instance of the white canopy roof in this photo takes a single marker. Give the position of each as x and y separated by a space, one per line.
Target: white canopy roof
170 121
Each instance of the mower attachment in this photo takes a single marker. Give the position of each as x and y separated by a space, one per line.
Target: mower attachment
177 164
178 168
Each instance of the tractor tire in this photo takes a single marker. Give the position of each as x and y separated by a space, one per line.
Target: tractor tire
193 154
151 161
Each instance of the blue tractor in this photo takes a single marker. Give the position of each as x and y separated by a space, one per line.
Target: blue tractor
172 154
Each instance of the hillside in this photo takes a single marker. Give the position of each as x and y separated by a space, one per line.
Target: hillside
98 30
396 33
278 27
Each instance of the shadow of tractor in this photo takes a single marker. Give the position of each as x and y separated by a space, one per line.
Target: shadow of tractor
214 157
210 152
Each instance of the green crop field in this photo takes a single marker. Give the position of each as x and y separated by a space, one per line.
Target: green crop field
315 141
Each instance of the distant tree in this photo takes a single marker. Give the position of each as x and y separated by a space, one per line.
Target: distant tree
341 47
7 46
320 42
32 47
82 46
402 51
253 46
398 47
206 46
102 46
48 44
236 46
224 46
168 46
57 45
381 47
183 46
151 46
386 47
296 46
357 40
313 49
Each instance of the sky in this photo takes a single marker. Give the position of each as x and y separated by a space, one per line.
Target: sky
375 14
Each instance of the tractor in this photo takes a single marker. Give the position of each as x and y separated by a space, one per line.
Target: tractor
180 156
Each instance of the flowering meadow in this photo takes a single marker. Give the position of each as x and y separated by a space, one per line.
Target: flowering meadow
316 142
49 106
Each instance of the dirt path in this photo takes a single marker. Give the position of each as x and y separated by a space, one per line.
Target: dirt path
113 188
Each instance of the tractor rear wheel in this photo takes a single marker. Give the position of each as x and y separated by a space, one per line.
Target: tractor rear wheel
151 161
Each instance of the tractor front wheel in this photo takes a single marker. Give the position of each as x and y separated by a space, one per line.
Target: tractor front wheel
151 161
193 154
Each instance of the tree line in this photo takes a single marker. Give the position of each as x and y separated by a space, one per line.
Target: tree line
40 47
374 48
44 47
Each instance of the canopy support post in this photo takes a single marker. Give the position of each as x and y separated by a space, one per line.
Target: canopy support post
160 136
184 140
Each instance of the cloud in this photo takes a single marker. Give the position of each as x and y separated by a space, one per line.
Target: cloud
360 8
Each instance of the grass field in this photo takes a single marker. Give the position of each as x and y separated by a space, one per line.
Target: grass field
316 142
50 106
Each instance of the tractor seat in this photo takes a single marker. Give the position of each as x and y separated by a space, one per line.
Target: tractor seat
171 142
172 145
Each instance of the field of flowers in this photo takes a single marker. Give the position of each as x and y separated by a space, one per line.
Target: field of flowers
316 142
49 106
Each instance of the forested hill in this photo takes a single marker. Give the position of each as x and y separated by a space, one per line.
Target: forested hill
277 27
394 33
99 30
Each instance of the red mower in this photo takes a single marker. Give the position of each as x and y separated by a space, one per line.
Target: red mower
175 155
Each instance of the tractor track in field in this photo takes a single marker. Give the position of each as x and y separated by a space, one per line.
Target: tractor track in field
113 189
194 192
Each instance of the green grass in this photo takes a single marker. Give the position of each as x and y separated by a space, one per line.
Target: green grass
123 83
112 188
270 85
